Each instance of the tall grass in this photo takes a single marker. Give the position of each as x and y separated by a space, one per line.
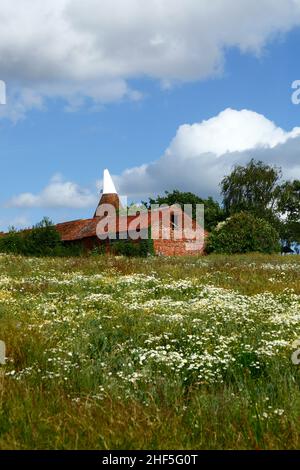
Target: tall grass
156 353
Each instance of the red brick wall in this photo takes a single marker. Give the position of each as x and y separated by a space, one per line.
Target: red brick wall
174 248
161 247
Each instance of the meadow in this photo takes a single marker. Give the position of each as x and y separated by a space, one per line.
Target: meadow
111 352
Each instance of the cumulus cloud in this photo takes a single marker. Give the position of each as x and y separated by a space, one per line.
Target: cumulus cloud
202 153
78 50
21 100
196 160
57 194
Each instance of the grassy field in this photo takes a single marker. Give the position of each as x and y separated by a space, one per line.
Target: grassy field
115 353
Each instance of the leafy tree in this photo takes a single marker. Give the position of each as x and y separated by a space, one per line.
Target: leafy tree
12 242
253 188
243 233
42 240
213 211
289 208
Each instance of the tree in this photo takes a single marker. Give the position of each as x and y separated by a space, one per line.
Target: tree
243 233
41 240
289 207
213 211
253 188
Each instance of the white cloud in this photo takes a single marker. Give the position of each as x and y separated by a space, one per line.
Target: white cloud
201 154
20 101
91 49
230 131
196 160
58 194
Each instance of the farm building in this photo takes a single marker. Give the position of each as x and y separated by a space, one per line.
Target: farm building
103 229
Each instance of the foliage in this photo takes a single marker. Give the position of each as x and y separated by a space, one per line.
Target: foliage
242 233
42 240
132 209
289 206
98 250
213 211
252 188
255 188
139 248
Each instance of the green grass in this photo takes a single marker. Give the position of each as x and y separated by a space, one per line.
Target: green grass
157 353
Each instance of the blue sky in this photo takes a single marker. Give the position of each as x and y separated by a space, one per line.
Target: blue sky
47 141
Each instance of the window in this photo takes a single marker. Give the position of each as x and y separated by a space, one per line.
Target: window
174 220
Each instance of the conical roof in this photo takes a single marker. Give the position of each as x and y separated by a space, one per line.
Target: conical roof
109 193
108 184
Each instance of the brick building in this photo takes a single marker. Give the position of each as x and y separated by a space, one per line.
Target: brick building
172 232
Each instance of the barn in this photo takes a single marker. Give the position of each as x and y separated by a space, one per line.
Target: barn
161 224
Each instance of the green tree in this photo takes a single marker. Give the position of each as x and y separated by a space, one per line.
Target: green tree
289 208
253 188
213 211
243 233
41 240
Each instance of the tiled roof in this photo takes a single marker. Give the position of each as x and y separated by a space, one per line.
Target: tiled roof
77 229
84 228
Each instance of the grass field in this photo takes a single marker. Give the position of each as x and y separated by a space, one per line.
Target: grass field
116 353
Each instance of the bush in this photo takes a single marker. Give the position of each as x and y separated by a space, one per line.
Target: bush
98 250
141 248
242 233
12 242
138 248
130 248
42 240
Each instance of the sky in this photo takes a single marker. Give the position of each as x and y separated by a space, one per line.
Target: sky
166 95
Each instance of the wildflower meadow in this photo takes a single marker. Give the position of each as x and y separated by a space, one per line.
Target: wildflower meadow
111 352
